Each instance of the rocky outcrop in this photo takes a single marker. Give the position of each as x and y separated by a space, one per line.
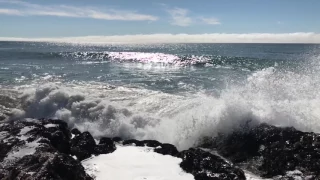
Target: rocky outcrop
105 146
165 149
48 149
45 165
43 149
271 151
206 166
35 149
83 146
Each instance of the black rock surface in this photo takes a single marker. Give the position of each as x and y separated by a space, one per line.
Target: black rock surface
83 146
43 146
48 149
105 146
206 166
270 151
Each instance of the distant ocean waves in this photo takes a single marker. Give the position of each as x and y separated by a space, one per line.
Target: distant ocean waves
150 58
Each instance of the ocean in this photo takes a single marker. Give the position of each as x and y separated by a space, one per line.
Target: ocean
174 93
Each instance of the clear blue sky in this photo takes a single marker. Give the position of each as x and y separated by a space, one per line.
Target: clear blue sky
48 18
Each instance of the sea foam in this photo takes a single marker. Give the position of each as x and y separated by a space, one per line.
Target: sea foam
271 95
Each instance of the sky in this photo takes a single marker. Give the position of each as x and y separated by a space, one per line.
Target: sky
250 20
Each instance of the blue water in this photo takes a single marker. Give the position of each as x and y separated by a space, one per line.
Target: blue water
222 63
176 93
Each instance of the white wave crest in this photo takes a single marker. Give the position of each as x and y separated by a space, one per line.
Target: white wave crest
277 97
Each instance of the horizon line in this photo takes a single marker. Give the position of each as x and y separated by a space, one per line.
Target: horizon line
287 38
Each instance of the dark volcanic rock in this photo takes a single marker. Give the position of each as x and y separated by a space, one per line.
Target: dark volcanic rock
167 149
83 146
272 150
43 165
117 139
60 142
105 140
148 143
295 175
43 146
105 146
151 143
206 166
133 142
75 131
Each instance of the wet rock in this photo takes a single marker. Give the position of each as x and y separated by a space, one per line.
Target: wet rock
271 150
105 146
43 165
206 166
60 142
37 149
117 139
105 140
8 145
133 142
75 131
148 143
83 146
295 175
167 149
151 143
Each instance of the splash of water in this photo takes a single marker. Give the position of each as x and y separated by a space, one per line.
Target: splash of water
271 95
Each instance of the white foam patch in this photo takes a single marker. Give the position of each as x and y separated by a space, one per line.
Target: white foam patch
27 149
50 125
3 135
20 151
250 176
25 130
138 163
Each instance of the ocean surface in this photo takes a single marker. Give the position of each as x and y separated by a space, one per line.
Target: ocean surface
175 93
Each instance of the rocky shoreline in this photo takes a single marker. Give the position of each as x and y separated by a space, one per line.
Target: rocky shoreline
48 149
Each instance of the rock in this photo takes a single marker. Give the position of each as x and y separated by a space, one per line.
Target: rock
75 131
105 146
295 175
105 140
133 142
37 149
206 166
43 165
151 143
56 131
167 149
8 145
148 143
83 146
60 142
271 150
117 139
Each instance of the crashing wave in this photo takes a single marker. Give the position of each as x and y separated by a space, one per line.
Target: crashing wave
270 95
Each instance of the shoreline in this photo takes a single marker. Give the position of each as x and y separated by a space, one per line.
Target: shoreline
266 150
